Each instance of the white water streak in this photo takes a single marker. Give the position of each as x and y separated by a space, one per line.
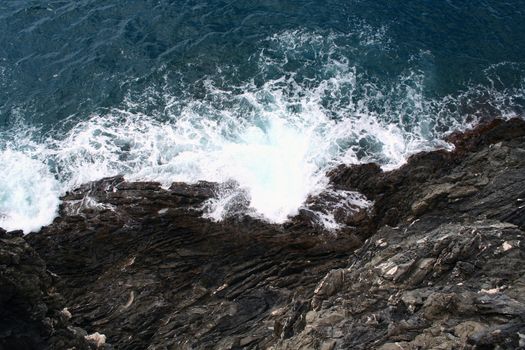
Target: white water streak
276 141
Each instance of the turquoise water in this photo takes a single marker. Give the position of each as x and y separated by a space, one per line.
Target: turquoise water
267 94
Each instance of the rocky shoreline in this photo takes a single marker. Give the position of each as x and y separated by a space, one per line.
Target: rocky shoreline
438 262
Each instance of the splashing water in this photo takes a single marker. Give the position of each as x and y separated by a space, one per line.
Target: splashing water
275 139
28 195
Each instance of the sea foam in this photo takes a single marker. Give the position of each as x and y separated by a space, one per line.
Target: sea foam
29 192
273 140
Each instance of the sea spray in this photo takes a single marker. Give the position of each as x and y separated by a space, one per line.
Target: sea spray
311 106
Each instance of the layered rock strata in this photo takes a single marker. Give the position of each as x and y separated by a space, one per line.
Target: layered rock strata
436 263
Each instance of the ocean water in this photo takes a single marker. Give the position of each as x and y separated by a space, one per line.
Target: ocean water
265 96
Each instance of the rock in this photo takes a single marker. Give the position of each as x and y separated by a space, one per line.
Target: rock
467 329
329 285
310 316
431 195
65 313
96 339
434 262
31 311
328 345
451 279
175 278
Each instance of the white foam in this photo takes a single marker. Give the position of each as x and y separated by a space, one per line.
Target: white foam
272 144
28 192
272 164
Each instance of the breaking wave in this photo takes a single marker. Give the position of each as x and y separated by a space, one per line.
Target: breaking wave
310 106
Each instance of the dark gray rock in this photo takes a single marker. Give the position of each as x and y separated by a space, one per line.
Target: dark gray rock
32 314
447 271
436 263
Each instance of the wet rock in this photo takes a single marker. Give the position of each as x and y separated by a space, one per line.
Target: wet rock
453 277
434 262
144 258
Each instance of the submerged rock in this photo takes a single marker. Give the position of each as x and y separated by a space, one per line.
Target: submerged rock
434 261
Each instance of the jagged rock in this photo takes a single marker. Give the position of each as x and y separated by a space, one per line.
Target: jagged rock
450 279
433 312
328 286
483 175
144 258
29 304
435 262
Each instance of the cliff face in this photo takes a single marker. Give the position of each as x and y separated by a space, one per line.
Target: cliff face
437 262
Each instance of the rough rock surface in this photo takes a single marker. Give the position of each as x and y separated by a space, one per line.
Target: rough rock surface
445 267
32 315
436 263
140 265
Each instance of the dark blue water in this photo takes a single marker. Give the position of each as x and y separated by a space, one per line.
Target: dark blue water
269 94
